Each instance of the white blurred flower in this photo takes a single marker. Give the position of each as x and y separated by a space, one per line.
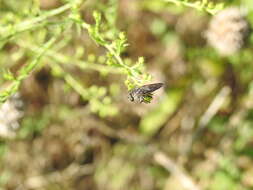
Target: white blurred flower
10 114
227 31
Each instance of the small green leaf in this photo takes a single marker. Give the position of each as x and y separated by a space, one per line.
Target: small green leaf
7 75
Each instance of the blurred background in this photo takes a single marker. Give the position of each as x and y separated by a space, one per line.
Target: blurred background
68 124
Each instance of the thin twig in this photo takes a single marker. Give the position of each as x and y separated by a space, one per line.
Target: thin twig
25 71
211 111
186 181
214 107
71 172
199 5
65 59
7 32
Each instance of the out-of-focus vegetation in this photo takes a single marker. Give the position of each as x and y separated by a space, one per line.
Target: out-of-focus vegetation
67 66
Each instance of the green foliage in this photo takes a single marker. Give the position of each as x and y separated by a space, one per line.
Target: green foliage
3 148
135 75
23 73
203 5
227 176
75 61
199 5
33 125
113 61
154 120
4 177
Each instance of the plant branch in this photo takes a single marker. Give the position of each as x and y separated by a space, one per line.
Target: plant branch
65 59
203 5
176 170
25 72
9 31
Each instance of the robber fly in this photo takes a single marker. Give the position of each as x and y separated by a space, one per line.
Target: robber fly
143 93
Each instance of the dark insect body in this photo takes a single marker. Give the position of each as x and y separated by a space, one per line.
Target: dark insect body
143 93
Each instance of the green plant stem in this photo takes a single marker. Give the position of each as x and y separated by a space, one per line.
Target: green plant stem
9 31
121 62
117 57
196 5
72 82
64 59
30 67
25 72
112 51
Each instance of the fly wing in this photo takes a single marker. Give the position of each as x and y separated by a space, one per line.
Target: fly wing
149 88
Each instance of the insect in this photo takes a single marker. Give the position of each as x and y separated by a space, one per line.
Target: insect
143 93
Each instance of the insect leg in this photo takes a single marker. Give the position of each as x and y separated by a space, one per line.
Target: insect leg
141 99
